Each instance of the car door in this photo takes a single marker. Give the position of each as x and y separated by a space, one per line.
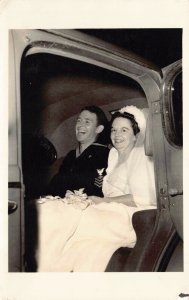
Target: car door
15 182
171 101
163 250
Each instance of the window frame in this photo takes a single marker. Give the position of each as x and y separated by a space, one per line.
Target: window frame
167 105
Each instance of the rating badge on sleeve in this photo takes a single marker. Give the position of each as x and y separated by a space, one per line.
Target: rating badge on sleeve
99 179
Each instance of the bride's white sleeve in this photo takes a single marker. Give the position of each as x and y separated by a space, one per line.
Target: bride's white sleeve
143 190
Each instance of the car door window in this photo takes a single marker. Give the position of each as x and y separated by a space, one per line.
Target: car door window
176 103
172 110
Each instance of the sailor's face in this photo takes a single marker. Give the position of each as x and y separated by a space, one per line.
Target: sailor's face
86 127
122 134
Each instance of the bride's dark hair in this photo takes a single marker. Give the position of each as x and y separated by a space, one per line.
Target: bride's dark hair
128 116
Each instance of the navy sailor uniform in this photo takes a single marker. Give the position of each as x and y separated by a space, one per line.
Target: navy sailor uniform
85 171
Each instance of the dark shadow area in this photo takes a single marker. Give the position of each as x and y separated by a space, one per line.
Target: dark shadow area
31 237
167 261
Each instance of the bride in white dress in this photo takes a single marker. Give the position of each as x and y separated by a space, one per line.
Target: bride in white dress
84 239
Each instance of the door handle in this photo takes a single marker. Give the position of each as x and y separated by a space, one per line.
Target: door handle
175 192
12 206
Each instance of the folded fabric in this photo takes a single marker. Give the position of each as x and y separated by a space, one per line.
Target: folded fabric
81 240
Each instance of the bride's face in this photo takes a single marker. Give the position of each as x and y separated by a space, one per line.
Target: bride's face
122 134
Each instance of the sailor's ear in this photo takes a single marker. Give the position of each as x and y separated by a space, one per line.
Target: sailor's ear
99 128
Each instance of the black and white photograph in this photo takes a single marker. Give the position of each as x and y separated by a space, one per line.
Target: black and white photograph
98 141
95 167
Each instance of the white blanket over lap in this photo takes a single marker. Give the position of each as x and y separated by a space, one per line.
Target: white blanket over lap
56 223
71 239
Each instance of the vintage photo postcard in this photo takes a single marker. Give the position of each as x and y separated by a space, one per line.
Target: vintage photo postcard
93 173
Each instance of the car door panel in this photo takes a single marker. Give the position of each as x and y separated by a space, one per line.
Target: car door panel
173 147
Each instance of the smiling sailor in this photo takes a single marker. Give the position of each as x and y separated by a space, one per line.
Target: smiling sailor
84 167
